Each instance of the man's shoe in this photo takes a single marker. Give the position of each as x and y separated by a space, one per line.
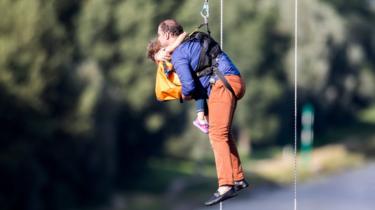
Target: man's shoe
216 197
240 185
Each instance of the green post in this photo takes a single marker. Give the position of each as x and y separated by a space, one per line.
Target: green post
307 134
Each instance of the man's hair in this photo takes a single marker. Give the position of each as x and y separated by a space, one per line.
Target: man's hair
152 48
171 26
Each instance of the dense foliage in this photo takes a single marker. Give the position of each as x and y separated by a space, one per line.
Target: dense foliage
78 114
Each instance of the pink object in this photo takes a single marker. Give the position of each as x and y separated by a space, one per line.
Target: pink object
202 126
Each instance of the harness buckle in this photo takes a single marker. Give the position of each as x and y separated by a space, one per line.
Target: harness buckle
212 80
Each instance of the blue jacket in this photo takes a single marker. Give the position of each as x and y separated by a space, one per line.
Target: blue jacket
185 60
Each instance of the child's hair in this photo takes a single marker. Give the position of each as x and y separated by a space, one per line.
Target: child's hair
152 48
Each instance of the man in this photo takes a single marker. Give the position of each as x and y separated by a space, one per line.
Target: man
221 105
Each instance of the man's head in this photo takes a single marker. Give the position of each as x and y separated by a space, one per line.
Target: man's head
168 31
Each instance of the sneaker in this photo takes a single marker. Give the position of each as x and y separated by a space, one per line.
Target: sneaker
202 126
240 185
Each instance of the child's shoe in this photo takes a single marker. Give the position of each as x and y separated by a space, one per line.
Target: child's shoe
202 125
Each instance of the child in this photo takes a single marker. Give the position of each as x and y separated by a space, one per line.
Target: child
158 54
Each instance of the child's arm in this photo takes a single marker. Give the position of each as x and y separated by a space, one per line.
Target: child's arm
177 42
165 53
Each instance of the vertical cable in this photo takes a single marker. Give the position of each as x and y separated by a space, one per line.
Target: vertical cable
221 23
295 98
221 45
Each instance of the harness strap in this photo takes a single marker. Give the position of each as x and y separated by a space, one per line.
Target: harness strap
207 64
225 81
221 76
202 55
204 72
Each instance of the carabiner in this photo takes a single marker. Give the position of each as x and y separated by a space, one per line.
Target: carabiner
205 12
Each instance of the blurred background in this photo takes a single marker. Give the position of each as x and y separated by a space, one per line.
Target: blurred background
81 128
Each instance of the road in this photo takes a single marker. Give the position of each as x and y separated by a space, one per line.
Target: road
353 190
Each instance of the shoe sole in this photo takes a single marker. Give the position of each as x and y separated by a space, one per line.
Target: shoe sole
224 199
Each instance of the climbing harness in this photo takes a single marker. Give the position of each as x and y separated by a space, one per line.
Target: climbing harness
208 58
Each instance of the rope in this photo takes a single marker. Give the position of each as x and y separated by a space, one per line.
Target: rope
221 45
221 23
295 98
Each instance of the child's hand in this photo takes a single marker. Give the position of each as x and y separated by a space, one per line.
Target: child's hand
167 56
162 55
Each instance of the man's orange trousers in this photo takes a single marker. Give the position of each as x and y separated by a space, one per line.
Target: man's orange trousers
221 108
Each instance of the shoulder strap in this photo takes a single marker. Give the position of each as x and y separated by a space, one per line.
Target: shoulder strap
203 59
210 49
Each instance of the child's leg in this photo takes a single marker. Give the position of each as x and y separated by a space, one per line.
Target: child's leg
200 107
200 116
201 121
205 110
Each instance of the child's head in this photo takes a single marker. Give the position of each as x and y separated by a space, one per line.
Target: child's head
152 48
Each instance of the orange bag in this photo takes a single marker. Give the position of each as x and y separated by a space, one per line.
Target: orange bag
167 85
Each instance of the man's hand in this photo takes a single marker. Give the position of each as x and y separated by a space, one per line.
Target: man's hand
186 98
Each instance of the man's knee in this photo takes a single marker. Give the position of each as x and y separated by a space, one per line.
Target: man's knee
219 135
